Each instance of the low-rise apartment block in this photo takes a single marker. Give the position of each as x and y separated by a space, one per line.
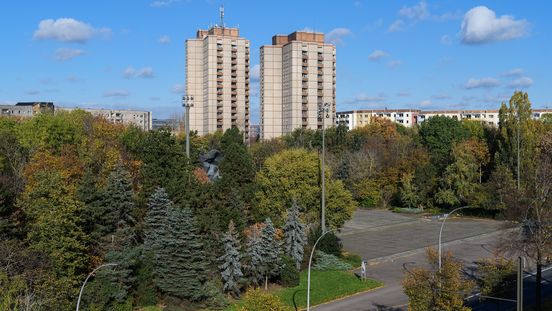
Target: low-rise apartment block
27 109
141 119
138 118
409 117
359 118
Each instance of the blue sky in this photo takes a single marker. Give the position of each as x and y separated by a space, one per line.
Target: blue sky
411 54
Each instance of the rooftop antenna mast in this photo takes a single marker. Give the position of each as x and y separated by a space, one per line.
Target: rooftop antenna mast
222 15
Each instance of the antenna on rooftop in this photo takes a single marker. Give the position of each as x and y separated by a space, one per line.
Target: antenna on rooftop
222 15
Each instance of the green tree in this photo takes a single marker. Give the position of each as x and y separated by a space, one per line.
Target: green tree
164 164
96 216
501 185
294 235
118 199
271 263
54 228
408 192
230 267
461 179
255 258
173 239
519 131
294 174
431 289
237 167
439 134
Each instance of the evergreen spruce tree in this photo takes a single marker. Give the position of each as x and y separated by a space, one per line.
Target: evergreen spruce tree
118 198
159 207
295 236
254 253
270 252
96 216
231 266
173 241
181 266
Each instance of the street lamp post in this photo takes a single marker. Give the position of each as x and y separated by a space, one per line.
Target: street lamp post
86 280
188 102
323 111
310 261
441 231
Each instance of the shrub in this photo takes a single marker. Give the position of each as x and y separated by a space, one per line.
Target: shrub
498 277
289 276
329 262
330 243
259 300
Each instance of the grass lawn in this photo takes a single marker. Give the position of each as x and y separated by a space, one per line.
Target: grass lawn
325 286
353 259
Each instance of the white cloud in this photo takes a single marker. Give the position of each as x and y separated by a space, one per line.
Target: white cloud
178 89
481 25
67 30
394 63
416 12
165 39
162 3
336 35
446 40
520 83
255 73
365 99
116 93
397 25
403 94
64 54
376 55
146 72
481 83
129 72
516 72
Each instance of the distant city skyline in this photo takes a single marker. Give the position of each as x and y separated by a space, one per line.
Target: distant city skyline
400 54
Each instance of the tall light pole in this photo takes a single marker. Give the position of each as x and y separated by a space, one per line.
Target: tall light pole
441 231
86 280
188 102
310 261
323 111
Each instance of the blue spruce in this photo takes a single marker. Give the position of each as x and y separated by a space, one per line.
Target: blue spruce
231 266
294 234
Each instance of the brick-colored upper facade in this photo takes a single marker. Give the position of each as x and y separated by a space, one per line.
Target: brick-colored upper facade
303 36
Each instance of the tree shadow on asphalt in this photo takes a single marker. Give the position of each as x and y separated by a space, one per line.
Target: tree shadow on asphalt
381 307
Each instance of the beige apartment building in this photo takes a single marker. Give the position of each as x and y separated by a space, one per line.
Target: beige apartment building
139 118
217 76
297 76
358 118
409 117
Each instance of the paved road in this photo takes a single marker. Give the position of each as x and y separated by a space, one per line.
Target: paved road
393 242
